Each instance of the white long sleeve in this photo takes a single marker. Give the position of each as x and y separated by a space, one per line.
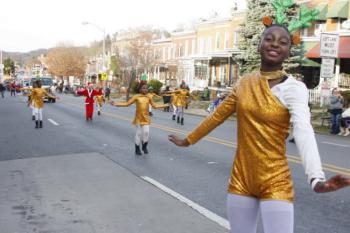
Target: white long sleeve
293 95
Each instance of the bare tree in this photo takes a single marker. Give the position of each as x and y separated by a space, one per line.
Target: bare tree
66 61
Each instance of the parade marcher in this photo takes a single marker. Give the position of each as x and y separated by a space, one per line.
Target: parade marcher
166 98
89 93
336 108
152 95
99 102
260 178
345 122
2 90
37 96
142 119
173 100
181 100
31 100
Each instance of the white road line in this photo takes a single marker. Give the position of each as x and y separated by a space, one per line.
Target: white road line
207 213
53 122
336 144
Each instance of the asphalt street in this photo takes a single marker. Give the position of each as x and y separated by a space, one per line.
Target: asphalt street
199 173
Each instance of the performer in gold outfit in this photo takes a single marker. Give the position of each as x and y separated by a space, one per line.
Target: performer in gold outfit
180 98
142 118
100 99
265 103
37 96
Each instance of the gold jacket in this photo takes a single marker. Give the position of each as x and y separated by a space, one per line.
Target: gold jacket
37 96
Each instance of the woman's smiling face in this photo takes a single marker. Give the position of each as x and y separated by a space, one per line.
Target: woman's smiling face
275 45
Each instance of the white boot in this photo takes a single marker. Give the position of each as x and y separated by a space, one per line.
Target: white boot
342 131
347 132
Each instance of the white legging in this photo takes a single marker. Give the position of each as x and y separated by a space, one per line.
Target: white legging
150 108
38 114
33 109
142 134
242 211
174 109
99 107
180 112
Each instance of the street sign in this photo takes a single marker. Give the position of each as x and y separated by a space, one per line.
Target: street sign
104 77
327 68
325 89
329 45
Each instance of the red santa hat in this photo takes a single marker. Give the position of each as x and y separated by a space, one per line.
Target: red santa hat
89 83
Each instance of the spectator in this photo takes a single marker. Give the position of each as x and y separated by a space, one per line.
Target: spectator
13 89
166 99
345 122
2 90
107 93
336 107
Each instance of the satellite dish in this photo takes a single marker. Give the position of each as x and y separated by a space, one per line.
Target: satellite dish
346 24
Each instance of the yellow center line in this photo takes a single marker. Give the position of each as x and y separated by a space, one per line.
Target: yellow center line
292 158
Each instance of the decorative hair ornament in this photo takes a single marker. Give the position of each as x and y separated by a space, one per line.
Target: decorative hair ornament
303 21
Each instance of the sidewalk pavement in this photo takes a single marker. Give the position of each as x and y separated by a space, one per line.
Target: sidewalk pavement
88 193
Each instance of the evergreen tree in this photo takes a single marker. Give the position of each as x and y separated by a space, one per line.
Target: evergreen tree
250 36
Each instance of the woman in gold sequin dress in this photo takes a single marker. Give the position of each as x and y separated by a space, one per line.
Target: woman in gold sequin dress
142 119
265 103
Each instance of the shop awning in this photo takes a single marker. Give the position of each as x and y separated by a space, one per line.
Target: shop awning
306 62
343 52
322 8
340 9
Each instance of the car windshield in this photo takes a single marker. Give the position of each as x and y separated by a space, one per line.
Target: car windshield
44 81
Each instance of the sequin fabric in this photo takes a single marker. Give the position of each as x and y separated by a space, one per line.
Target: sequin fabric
260 168
142 108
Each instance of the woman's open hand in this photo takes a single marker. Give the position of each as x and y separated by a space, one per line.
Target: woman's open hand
332 184
178 141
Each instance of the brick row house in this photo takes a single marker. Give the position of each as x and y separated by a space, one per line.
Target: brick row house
202 57
334 17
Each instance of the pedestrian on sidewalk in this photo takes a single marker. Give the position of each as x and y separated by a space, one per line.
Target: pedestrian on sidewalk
345 122
336 108
99 101
89 93
142 119
107 93
2 90
37 96
260 179
13 89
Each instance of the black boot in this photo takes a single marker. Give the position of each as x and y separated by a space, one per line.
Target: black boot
98 113
151 113
182 121
33 118
178 120
173 117
144 147
137 150
36 124
40 124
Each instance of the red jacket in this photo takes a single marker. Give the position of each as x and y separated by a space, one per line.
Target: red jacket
89 96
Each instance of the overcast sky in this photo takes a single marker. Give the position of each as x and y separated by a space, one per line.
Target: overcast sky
31 24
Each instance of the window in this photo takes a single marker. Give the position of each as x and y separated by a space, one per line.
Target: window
186 48
235 38
209 45
304 32
319 27
193 46
174 51
201 69
217 40
227 40
222 73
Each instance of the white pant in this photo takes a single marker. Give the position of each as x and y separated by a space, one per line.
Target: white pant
174 110
242 211
98 107
33 109
38 114
150 108
142 134
180 112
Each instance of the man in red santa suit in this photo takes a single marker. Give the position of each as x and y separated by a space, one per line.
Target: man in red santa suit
89 93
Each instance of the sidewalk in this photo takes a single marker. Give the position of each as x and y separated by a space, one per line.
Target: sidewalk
88 193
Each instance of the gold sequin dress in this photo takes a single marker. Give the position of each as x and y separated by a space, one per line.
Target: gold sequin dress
260 168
